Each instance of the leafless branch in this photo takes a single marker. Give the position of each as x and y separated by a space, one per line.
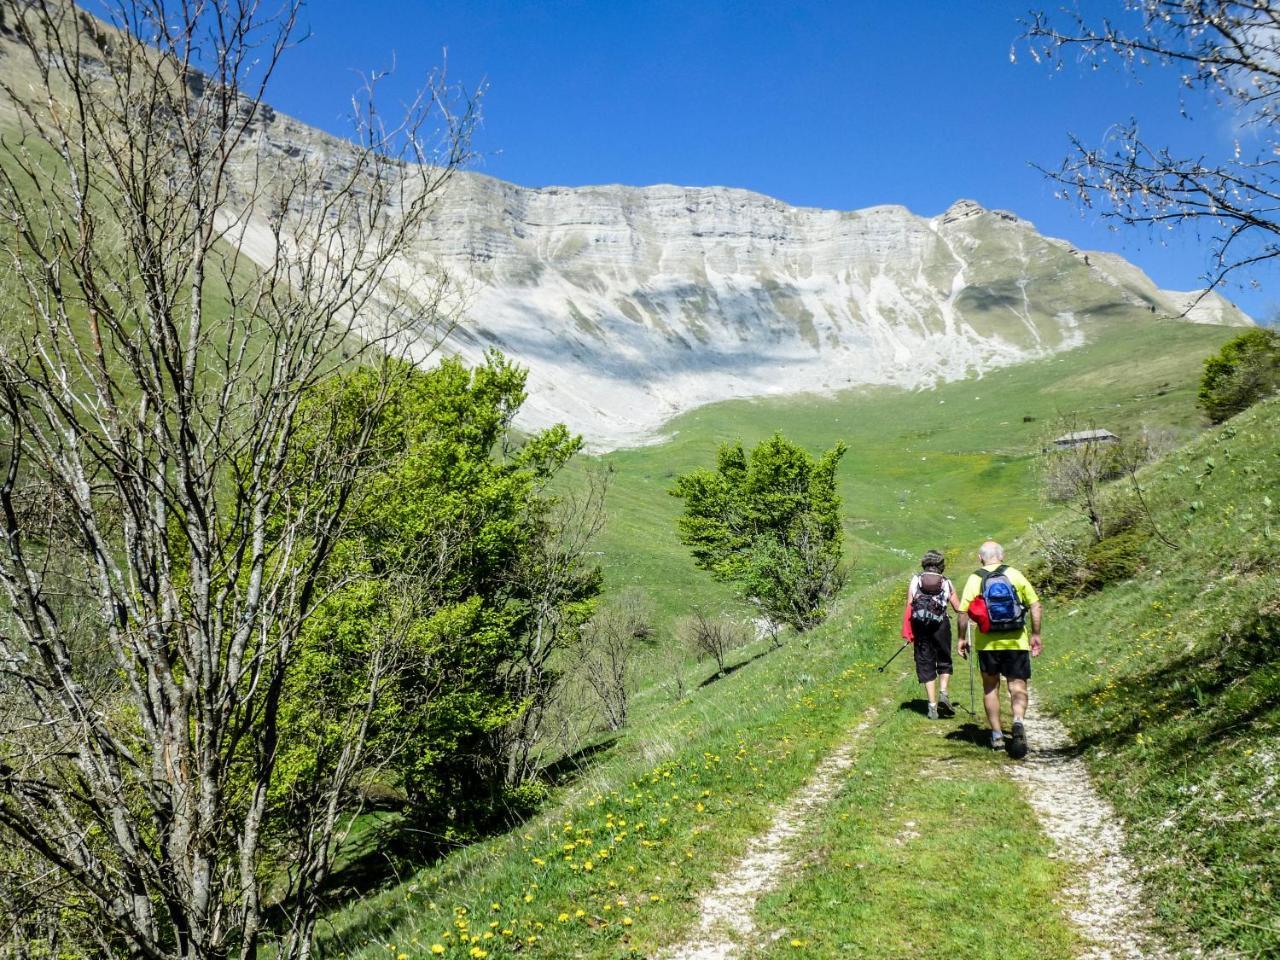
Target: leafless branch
178 285
1226 49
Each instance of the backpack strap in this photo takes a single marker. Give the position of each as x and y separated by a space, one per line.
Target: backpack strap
998 571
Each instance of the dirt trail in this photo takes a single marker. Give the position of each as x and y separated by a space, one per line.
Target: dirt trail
727 912
1105 898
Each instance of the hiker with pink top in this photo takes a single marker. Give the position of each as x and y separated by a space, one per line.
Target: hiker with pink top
927 627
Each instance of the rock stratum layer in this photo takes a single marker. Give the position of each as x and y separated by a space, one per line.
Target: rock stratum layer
632 305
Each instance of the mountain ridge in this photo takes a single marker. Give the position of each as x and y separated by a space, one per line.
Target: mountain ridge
619 344
633 304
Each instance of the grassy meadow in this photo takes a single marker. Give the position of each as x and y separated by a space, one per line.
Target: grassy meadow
903 861
615 864
945 467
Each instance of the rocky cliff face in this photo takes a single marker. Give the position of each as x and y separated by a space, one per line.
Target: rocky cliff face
630 305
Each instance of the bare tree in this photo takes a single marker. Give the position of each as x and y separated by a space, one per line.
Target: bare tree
1132 456
1228 49
711 637
556 576
611 641
669 662
152 379
1076 474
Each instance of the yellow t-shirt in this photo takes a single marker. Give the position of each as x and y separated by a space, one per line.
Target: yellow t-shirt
1010 640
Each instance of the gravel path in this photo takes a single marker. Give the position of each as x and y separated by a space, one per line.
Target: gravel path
1105 899
727 912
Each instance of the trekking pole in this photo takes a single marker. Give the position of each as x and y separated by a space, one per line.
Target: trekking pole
968 636
893 658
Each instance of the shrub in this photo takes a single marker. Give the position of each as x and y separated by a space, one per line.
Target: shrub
1057 569
709 637
1244 371
610 642
1115 558
1068 567
668 662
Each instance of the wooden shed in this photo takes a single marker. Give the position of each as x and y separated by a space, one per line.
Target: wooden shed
1081 437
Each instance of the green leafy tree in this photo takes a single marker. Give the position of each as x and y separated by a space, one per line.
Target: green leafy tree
768 522
433 586
1244 371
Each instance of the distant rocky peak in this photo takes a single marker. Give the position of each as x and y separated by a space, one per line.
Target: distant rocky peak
963 210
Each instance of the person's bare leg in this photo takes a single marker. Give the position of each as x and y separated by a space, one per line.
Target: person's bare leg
991 699
943 680
1018 699
931 690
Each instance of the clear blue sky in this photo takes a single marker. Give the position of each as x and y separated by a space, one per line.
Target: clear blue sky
839 105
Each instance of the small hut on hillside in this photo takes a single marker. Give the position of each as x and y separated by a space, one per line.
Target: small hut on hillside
1081 437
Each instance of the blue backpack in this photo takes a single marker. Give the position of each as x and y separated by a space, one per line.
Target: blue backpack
1004 606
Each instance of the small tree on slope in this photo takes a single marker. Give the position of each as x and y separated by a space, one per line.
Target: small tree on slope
1244 371
769 523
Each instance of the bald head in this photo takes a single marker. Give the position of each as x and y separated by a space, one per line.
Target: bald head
991 552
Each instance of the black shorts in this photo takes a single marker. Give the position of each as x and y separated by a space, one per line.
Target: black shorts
932 650
1012 664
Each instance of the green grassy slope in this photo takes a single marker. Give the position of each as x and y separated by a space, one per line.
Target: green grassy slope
944 467
1171 683
702 773
616 864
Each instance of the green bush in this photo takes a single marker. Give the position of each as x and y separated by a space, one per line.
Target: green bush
1244 371
1070 567
436 583
768 522
1114 558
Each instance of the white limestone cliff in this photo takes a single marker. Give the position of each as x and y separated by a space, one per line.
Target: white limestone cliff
630 305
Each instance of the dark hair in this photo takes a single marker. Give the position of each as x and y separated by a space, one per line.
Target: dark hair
934 561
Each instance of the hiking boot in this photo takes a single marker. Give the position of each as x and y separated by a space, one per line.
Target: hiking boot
944 705
933 711
997 740
1018 742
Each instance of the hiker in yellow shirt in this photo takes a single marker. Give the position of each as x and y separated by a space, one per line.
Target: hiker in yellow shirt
1009 608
